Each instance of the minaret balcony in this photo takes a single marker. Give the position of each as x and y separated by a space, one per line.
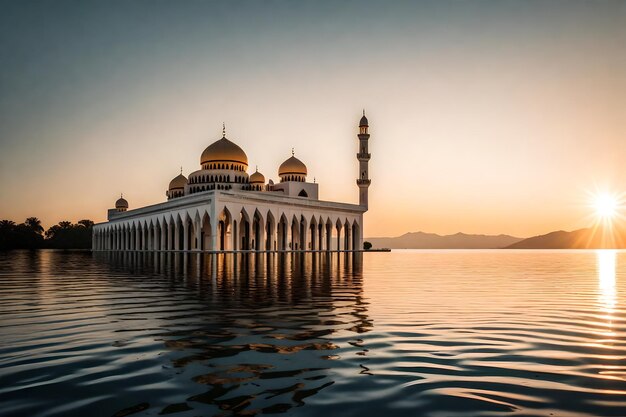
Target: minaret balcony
363 156
363 182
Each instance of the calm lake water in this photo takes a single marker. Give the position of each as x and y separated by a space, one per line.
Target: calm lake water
413 333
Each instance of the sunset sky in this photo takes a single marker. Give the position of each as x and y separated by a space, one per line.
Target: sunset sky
486 116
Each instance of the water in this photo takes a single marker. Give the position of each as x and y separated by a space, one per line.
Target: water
421 333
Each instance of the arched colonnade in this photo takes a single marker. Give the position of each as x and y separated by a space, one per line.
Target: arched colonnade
231 229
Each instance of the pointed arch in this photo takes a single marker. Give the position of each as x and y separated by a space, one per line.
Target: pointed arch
258 231
225 226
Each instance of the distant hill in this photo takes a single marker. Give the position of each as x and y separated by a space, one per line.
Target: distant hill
421 240
577 239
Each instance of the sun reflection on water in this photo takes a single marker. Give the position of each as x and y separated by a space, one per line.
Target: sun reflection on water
606 280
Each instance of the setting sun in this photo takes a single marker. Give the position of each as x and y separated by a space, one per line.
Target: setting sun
605 205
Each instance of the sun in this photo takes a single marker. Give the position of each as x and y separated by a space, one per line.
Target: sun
606 205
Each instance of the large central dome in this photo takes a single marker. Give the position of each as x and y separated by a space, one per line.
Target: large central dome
223 151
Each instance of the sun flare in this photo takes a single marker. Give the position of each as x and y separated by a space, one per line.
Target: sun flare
606 205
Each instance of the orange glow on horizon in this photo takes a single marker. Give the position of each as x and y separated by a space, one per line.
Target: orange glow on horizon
490 125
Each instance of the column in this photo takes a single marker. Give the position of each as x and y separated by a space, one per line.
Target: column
186 235
280 235
198 232
163 237
231 237
177 228
320 231
303 235
261 236
329 235
338 238
214 225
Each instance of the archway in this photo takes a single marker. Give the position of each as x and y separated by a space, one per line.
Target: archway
225 230
283 241
206 234
270 226
258 230
244 230
295 234
356 236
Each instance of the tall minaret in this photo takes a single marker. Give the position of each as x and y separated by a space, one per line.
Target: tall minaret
363 156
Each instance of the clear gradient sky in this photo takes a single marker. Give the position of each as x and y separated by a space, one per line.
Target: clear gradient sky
486 116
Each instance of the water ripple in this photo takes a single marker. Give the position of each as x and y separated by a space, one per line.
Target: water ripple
429 333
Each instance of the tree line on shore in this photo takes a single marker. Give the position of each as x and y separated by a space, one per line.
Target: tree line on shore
31 235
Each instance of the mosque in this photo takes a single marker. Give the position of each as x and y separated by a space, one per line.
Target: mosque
222 208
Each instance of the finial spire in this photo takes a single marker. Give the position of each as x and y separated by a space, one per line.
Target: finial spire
292 152
181 170
363 112
223 129
121 195
257 168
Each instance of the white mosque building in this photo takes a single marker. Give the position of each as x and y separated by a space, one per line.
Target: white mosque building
222 208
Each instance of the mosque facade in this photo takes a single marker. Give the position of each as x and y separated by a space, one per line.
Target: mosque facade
221 208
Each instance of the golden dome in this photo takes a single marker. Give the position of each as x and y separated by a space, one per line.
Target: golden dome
121 203
178 182
292 166
257 178
224 151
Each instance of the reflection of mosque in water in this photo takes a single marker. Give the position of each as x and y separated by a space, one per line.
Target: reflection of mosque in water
273 328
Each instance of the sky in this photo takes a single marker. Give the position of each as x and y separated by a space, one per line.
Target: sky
486 116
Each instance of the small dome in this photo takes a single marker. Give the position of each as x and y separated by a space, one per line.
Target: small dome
224 150
178 182
121 203
363 122
257 178
292 166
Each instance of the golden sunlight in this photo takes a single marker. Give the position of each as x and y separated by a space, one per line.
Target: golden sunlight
606 259
606 205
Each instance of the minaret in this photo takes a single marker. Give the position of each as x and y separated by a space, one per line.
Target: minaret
363 156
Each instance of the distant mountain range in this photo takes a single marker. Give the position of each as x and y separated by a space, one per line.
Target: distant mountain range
421 240
591 238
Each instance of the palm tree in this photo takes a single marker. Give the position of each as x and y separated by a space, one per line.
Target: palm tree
52 231
85 222
65 224
7 224
35 224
